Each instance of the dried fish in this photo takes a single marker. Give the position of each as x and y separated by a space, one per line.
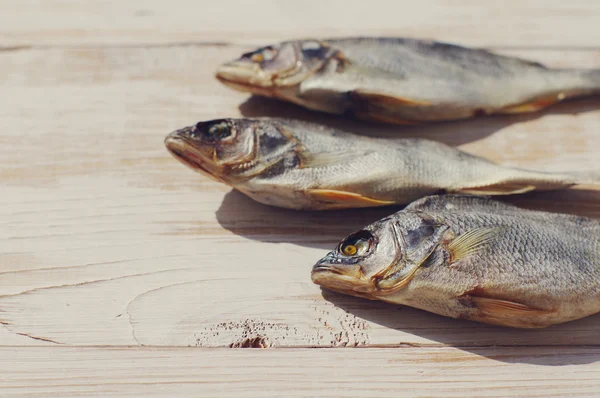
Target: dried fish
301 165
402 80
473 258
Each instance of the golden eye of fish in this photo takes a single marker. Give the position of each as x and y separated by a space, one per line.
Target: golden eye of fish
357 244
257 57
349 250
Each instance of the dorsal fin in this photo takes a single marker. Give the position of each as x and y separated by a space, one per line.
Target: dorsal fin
457 201
501 188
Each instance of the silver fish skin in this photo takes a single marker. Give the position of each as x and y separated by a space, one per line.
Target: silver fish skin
402 80
473 258
299 165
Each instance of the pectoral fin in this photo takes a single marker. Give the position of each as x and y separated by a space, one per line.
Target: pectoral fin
342 199
471 242
509 313
502 188
384 118
325 159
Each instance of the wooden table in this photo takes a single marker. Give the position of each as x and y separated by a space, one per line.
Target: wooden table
124 273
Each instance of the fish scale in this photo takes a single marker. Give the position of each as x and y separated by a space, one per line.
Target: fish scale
536 270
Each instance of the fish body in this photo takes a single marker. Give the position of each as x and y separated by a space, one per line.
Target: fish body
402 80
473 258
299 165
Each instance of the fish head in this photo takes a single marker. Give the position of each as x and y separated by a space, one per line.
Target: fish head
229 150
382 258
281 65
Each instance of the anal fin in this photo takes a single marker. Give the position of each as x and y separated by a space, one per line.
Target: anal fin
342 199
383 107
534 105
502 188
382 118
508 313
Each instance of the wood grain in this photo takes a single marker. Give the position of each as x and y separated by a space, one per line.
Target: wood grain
105 232
524 23
410 372
107 243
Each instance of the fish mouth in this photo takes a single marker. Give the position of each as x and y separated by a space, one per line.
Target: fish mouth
186 153
325 268
245 77
345 280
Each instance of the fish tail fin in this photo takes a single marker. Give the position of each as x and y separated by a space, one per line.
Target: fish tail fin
561 84
577 82
522 181
592 78
584 177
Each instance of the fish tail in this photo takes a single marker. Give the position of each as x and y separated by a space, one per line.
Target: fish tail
518 181
542 181
577 82
592 79
585 177
561 84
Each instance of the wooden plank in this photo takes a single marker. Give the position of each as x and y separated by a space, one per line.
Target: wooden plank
107 240
95 22
415 372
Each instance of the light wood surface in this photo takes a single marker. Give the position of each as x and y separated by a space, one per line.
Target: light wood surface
121 270
356 373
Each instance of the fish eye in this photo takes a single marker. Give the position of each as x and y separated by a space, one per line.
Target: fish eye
219 131
314 50
268 53
311 45
214 132
357 244
349 250
262 55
